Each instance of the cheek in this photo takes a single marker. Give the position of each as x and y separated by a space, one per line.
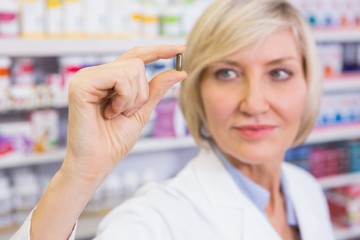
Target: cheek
292 107
214 110
218 105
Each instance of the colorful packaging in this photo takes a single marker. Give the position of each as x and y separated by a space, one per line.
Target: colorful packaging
9 18
45 129
15 138
165 116
344 205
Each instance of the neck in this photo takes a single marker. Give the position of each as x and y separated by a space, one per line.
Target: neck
266 175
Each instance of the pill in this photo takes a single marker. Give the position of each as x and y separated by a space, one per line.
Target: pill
179 62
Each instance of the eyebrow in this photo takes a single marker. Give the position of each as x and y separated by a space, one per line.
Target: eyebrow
272 62
280 60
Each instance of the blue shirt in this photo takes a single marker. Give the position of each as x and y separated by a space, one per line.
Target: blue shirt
256 193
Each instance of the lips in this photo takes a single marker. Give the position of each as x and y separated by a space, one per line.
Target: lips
255 132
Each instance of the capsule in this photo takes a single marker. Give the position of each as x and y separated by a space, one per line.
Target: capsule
179 62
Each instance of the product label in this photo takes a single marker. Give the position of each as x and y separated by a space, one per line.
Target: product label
9 25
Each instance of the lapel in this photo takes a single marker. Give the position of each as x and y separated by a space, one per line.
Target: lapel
223 195
306 214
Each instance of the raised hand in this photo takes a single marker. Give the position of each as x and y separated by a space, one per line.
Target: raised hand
108 107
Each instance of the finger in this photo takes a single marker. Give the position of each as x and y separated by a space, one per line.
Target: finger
96 84
158 86
114 107
141 97
129 96
152 53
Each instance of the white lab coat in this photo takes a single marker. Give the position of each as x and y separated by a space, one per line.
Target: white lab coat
203 202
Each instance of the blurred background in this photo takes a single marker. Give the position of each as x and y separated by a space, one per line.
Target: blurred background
43 43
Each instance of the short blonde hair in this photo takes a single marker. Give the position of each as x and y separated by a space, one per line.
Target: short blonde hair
230 25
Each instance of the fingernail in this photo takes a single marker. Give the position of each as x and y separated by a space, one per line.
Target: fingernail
109 115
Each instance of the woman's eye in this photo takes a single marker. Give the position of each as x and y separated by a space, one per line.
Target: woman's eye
280 74
226 74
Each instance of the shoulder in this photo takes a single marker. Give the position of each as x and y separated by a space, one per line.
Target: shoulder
296 174
304 186
308 195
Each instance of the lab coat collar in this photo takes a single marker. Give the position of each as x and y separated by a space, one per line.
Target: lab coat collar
223 191
307 220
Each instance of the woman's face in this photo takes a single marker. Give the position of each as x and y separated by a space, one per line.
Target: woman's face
254 100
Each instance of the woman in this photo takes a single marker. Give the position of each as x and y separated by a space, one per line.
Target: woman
252 92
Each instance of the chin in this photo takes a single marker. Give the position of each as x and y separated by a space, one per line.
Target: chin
254 160
258 156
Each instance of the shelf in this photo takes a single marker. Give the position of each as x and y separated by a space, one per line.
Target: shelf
17 160
18 47
346 234
142 146
32 108
343 83
163 144
326 134
334 133
337 34
339 180
347 82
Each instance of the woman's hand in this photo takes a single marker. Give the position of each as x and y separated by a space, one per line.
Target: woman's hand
108 107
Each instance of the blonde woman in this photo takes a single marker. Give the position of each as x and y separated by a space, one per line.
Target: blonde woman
252 92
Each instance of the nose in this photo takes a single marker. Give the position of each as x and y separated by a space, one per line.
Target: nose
254 100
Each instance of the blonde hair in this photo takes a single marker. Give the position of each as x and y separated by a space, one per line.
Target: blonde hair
230 25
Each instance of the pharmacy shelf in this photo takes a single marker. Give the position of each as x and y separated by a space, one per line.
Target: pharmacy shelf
339 180
346 234
325 134
17 160
343 83
11 110
142 146
334 133
163 144
18 47
337 34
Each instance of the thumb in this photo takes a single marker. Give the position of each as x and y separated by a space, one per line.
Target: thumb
159 85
